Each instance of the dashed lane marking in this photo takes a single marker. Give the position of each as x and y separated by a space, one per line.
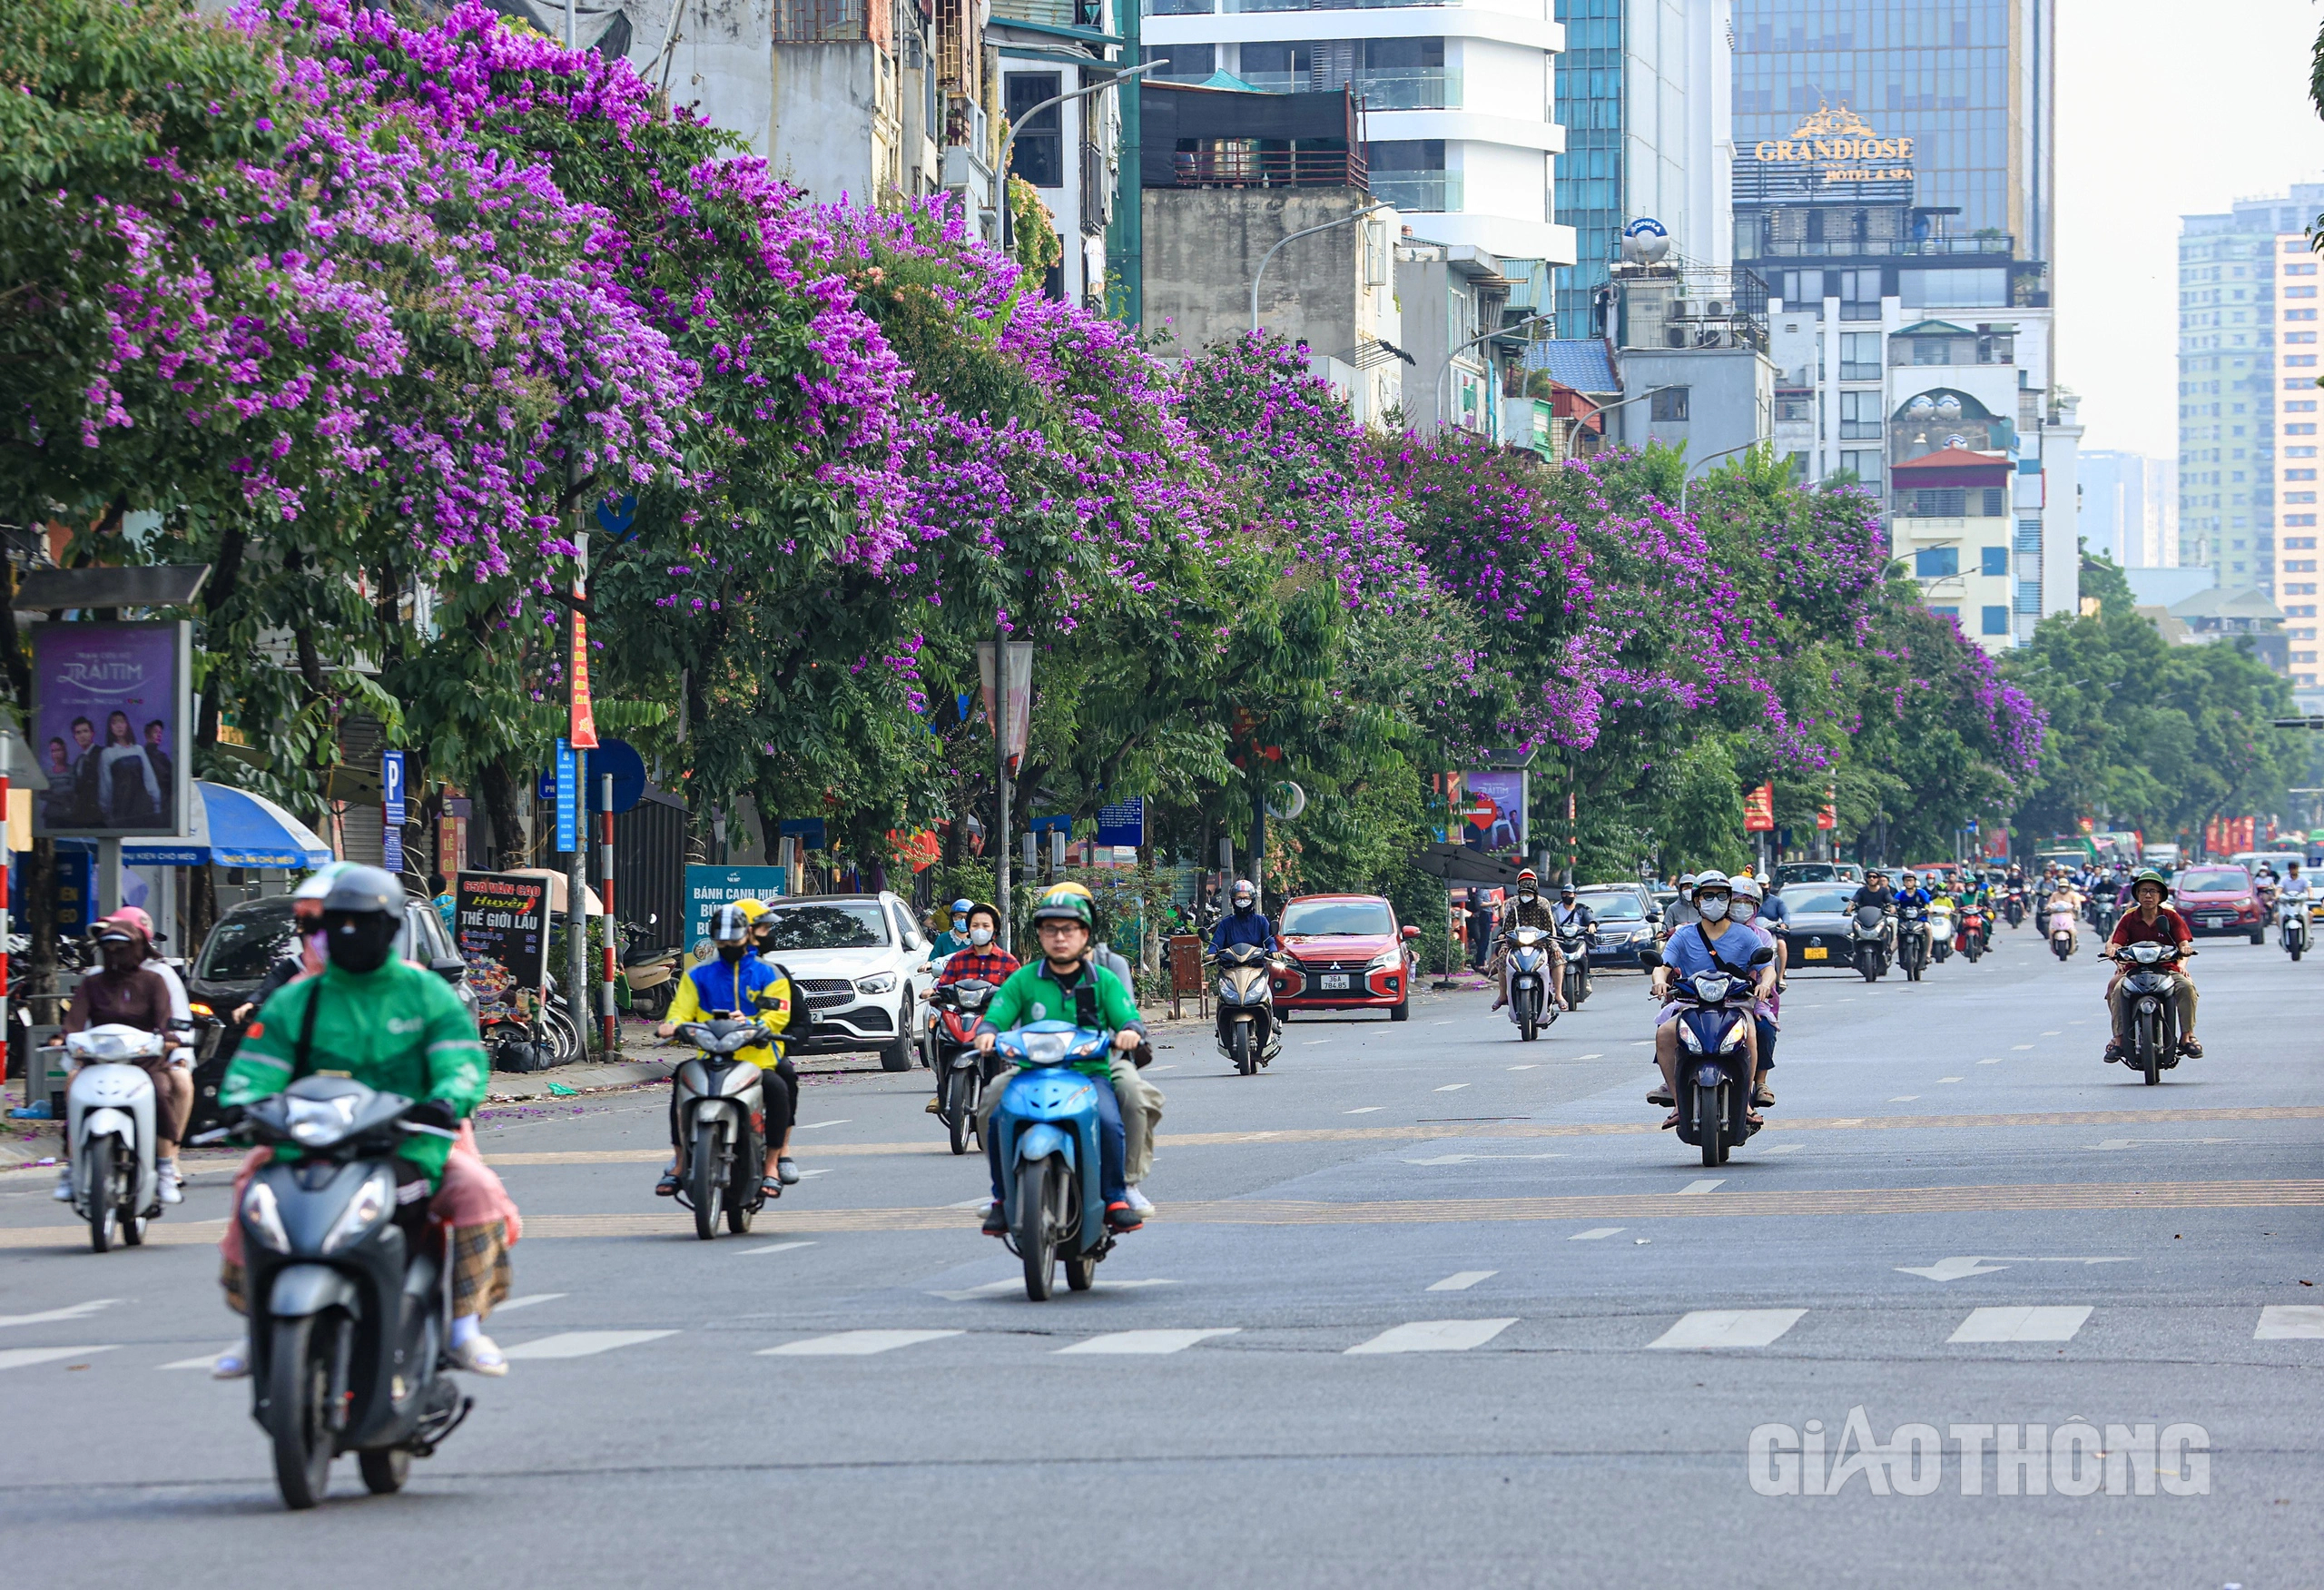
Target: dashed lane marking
818 1125
787 1247
1596 1234
854 1344
1724 1327
51 1316
1949 1079
2289 1322
1462 1281
1452 1087
2022 1324
583 1344
208 1359
1903 1098
1367 1109
1707 1184
1434 1336
1147 1341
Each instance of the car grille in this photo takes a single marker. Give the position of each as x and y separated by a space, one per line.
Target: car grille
824 991
1315 968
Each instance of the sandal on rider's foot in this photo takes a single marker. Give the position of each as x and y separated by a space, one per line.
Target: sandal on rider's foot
1764 1096
769 1188
479 1355
996 1219
1754 1118
1663 1097
786 1170
668 1186
2114 1054
2190 1048
1670 1120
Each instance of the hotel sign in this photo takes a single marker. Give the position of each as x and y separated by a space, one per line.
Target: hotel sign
1847 150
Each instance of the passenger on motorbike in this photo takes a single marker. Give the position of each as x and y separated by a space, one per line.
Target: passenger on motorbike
980 960
303 956
737 982
1749 902
2150 921
2061 911
398 1028
1246 924
1525 909
1065 985
1716 943
1681 911
958 938
126 992
1570 917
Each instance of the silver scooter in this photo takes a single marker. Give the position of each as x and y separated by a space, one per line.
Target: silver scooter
720 1108
109 1110
1525 981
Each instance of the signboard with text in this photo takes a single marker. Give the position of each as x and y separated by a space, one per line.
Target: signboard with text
110 729
708 888
502 924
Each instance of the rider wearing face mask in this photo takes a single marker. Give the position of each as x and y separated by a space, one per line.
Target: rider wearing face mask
1747 908
1718 942
956 938
1246 924
981 961
734 982
126 992
1527 909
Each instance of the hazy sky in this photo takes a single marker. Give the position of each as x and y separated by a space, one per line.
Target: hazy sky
2165 109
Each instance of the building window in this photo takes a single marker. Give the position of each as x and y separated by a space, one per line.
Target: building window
1994 504
1409 173
1997 620
1952 613
1937 502
1936 563
1038 153
1864 465
1859 356
1671 403
1795 408
1859 416
1996 562
1183 63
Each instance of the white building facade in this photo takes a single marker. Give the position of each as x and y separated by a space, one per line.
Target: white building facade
2130 508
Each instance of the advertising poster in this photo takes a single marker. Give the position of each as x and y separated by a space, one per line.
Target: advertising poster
111 728
708 888
1492 811
502 924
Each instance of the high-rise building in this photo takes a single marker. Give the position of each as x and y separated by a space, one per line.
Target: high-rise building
1460 129
2247 399
2130 508
1642 89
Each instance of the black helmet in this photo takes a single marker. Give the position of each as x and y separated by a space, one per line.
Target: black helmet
361 889
362 914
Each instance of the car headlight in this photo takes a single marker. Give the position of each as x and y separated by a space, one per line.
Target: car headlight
264 1219
1386 961
878 982
366 1210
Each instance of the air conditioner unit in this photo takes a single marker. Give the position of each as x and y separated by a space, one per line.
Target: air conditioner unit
1716 310
1676 336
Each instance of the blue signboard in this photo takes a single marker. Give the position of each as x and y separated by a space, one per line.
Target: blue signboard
391 788
708 888
1060 821
807 831
621 759
1123 823
568 787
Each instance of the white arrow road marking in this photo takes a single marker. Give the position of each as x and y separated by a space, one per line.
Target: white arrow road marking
853 1344
2289 1322
74 1312
2022 1324
1463 1280
17 1357
1434 1336
1147 1341
1960 1265
1714 1328
208 1360
583 1344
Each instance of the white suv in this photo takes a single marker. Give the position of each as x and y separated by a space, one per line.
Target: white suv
861 962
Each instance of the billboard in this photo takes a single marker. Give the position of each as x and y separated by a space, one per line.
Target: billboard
1491 811
501 922
112 708
708 888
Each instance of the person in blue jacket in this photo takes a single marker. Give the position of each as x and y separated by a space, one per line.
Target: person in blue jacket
1245 924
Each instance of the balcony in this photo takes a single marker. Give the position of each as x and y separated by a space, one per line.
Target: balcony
1430 191
1842 248
1417 88
1228 163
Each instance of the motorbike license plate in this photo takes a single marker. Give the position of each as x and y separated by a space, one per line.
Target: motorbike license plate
1334 980
1815 952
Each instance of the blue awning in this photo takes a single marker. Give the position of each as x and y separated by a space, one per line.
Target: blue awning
232 828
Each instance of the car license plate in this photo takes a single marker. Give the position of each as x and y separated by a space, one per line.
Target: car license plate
1334 980
1815 952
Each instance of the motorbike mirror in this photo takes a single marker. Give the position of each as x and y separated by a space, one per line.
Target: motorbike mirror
1761 957
1649 958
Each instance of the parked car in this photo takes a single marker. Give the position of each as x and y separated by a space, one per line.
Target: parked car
1818 871
1344 953
2216 899
1815 926
1626 914
861 962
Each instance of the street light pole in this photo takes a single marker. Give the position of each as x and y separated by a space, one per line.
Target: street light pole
1687 479
1009 143
1266 259
1445 376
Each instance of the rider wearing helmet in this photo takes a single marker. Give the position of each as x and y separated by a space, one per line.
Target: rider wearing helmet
1749 910
1065 985
1526 908
1246 924
1716 941
1681 911
398 1028
955 937
735 982
2151 921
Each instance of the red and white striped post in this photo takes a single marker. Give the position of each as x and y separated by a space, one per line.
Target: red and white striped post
606 889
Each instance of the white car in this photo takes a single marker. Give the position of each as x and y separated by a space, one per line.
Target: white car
861 962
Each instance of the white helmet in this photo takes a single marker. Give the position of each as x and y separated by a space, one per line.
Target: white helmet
1713 879
1746 887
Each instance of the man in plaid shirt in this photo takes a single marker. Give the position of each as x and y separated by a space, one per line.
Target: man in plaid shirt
982 960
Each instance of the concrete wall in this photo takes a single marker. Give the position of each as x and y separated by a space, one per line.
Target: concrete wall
825 100
1202 246
1729 402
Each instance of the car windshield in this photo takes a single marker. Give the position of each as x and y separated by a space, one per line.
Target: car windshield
1320 918
1613 906
1821 900
2214 879
247 941
859 924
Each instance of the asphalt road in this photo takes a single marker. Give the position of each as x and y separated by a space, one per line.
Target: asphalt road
1425 1306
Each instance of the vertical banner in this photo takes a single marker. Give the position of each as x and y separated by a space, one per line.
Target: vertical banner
1017 697
391 794
111 728
584 717
569 791
1759 810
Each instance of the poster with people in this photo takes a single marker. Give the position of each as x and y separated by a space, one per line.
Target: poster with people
501 923
111 729
1492 811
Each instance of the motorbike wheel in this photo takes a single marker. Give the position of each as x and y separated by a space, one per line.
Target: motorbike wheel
1082 1272
1246 1062
1711 1124
1869 965
2148 1039
961 1107
384 1471
707 1174
742 1207
298 1387
97 1187
1036 1230
1528 1020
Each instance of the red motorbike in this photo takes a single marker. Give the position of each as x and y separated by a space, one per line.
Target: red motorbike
962 1073
1974 929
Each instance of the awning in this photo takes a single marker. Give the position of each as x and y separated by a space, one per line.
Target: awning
232 828
1463 864
590 903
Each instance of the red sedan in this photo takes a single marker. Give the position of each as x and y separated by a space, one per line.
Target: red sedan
1344 953
2220 900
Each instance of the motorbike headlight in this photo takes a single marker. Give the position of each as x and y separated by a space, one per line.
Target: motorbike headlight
1733 1040
1046 1048
264 1219
366 1210
878 982
1226 990
1686 1038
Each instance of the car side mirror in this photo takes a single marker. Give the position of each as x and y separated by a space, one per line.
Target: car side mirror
1648 957
1411 932
450 968
1654 914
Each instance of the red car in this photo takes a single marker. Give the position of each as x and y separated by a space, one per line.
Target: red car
1344 953
2219 899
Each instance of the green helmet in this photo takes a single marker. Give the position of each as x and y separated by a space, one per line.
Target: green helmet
2149 875
1065 906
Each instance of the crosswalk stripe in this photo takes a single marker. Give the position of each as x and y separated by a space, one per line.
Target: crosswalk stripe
2289 1322
582 1344
1717 1327
853 1344
1434 1336
527 1302
2022 1324
1147 1341
18 1358
1595 1234
1463 1280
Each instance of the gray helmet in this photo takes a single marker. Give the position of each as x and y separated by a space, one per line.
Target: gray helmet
363 891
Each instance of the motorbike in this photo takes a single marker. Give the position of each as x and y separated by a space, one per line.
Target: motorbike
962 1074
1714 1094
1870 938
1248 1032
721 1105
1942 919
653 978
2293 926
109 1110
1575 947
1525 981
347 1328
1972 931
2153 1029
1045 1126
2013 908
2062 934
1913 941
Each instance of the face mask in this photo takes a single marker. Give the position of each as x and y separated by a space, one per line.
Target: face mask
1744 910
1243 908
981 936
959 924
1713 909
730 953
362 943
121 957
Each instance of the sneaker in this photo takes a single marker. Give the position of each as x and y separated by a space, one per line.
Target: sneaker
1663 1096
1139 1201
230 1364
171 1188
786 1173
996 1219
479 1355
1121 1217
63 1189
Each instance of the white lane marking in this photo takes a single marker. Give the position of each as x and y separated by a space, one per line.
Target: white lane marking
1716 1328
1959 1265
780 1247
1462 1281
1367 1109
987 1290
1903 1098
2079 1022
1641 1043
2053 1034
1434 1336
527 1301
2022 1324
1535 1066
805 1174
208 1360
73 1311
1589 1057
1452 1087
853 1344
2160 1142
1310 1043
1785 1149
1594 1234
972 1203
1705 1185
1949 1078
1162 1067
2020 1046
18 1358
1147 1341
583 1344
1995 1060
1465 1159
2289 1322
818 1125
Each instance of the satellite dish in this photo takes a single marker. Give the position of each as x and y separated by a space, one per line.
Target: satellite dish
1285 800
1645 240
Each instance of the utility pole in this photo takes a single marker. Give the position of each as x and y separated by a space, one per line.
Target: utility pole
576 870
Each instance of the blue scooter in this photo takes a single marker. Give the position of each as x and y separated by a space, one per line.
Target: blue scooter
1046 1125
1714 1091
